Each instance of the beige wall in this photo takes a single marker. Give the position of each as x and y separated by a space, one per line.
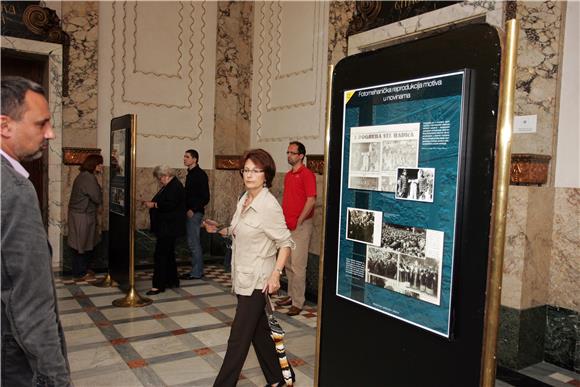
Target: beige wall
157 60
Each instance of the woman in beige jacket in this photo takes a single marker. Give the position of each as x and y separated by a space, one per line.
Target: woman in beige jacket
261 244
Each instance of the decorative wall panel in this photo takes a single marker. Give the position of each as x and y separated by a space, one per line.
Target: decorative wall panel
289 84
157 60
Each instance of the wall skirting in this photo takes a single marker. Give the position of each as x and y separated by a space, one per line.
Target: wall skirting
543 333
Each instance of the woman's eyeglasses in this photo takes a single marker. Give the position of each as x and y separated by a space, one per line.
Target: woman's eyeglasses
251 171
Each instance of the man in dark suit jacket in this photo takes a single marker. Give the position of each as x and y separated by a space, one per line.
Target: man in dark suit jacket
33 346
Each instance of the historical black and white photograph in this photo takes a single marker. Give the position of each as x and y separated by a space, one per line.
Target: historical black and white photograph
404 239
419 278
364 226
376 152
365 157
365 182
118 196
415 184
118 153
409 262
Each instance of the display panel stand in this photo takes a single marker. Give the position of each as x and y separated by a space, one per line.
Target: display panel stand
122 207
411 150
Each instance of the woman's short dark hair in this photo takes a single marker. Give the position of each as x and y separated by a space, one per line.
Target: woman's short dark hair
264 161
91 162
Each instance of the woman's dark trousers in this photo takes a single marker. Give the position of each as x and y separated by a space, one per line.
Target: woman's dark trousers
250 326
165 268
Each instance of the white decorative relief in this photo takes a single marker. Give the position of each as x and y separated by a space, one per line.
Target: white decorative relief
289 81
157 60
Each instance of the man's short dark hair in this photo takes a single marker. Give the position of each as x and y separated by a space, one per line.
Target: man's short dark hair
301 147
193 153
13 93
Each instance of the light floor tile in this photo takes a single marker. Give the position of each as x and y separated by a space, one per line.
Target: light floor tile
222 300
92 290
114 379
161 296
302 379
259 380
84 336
184 371
200 290
64 305
195 320
75 319
63 292
139 328
123 313
213 337
251 360
176 306
159 347
560 377
98 357
230 312
106 300
301 346
288 327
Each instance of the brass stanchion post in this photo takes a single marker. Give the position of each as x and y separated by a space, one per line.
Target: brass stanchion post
107 282
132 299
500 199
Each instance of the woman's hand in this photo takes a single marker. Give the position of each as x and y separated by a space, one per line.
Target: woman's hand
149 204
273 283
211 226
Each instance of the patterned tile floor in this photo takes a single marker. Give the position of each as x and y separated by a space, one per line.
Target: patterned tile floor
180 339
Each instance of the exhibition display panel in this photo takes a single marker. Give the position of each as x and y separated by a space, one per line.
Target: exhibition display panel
410 171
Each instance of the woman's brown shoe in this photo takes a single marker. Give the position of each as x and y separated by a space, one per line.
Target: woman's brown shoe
284 301
293 311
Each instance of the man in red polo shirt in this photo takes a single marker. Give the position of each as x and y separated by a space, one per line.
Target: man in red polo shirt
298 206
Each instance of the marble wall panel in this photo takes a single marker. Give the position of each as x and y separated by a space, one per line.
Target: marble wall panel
516 245
225 189
565 266
233 77
537 255
339 16
80 21
537 72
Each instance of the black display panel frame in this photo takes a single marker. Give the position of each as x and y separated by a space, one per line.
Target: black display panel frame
120 175
388 351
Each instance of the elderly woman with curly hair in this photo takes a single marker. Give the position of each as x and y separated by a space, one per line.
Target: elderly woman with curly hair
261 245
167 214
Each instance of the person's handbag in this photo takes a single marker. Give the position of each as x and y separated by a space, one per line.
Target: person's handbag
277 334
